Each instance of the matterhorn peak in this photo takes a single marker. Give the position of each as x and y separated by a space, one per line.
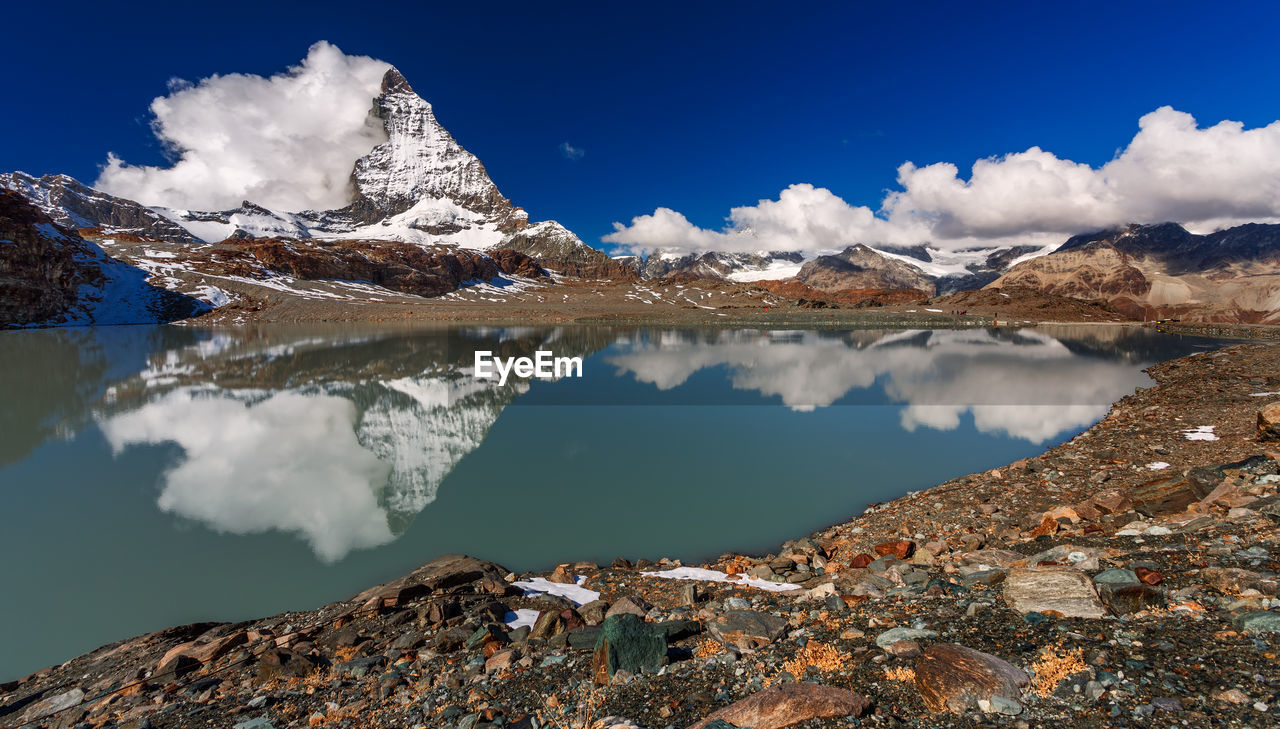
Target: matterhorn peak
393 82
421 164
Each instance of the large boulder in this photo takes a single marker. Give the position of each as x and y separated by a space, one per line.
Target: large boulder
1269 423
1167 495
954 678
747 629
1063 591
627 643
789 704
443 573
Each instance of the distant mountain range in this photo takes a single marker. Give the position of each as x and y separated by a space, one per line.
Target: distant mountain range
425 219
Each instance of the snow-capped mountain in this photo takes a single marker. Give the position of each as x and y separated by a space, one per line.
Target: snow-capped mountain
419 162
419 186
764 265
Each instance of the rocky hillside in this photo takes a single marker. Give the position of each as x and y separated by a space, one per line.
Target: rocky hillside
50 276
74 205
860 267
1162 271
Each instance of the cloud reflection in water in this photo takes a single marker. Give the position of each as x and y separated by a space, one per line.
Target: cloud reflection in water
1028 386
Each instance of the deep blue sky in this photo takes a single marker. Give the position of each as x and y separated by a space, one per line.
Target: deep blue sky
696 109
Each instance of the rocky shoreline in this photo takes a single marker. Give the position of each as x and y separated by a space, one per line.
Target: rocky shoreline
1124 578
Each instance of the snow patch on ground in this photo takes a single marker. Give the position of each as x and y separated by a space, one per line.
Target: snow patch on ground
216 297
706 575
1204 432
521 619
542 586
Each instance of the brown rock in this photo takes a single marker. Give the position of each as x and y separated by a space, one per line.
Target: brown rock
203 650
1269 423
1047 526
283 663
441 610
1063 512
1167 495
593 612
900 548
1087 510
995 557
563 575
861 561
501 659
789 704
633 604
1148 576
1226 494
1233 581
1112 501
954 678
903 649
445 573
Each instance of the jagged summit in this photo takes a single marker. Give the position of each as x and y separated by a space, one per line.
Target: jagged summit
394 82
422 163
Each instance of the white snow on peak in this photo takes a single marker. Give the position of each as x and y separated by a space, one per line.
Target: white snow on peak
420 159
776 270
470 229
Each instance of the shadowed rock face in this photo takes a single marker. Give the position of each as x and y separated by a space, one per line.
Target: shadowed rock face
859 267
50 276
38 271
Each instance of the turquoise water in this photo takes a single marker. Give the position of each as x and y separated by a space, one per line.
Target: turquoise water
158 476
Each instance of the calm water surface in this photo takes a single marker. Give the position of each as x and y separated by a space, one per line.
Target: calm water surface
157 476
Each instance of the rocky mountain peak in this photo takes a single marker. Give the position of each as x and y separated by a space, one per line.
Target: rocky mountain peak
421 163
394 83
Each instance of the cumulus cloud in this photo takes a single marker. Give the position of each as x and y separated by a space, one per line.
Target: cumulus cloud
568 151
287 142
1172 169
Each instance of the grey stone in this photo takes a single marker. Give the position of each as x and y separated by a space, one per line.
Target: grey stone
1259 622
747 628
895 635
1064 590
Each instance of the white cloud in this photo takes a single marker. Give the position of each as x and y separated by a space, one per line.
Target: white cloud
1205 178
287 142
289 462
568 151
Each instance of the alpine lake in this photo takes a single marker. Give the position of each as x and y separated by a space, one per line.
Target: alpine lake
155 476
